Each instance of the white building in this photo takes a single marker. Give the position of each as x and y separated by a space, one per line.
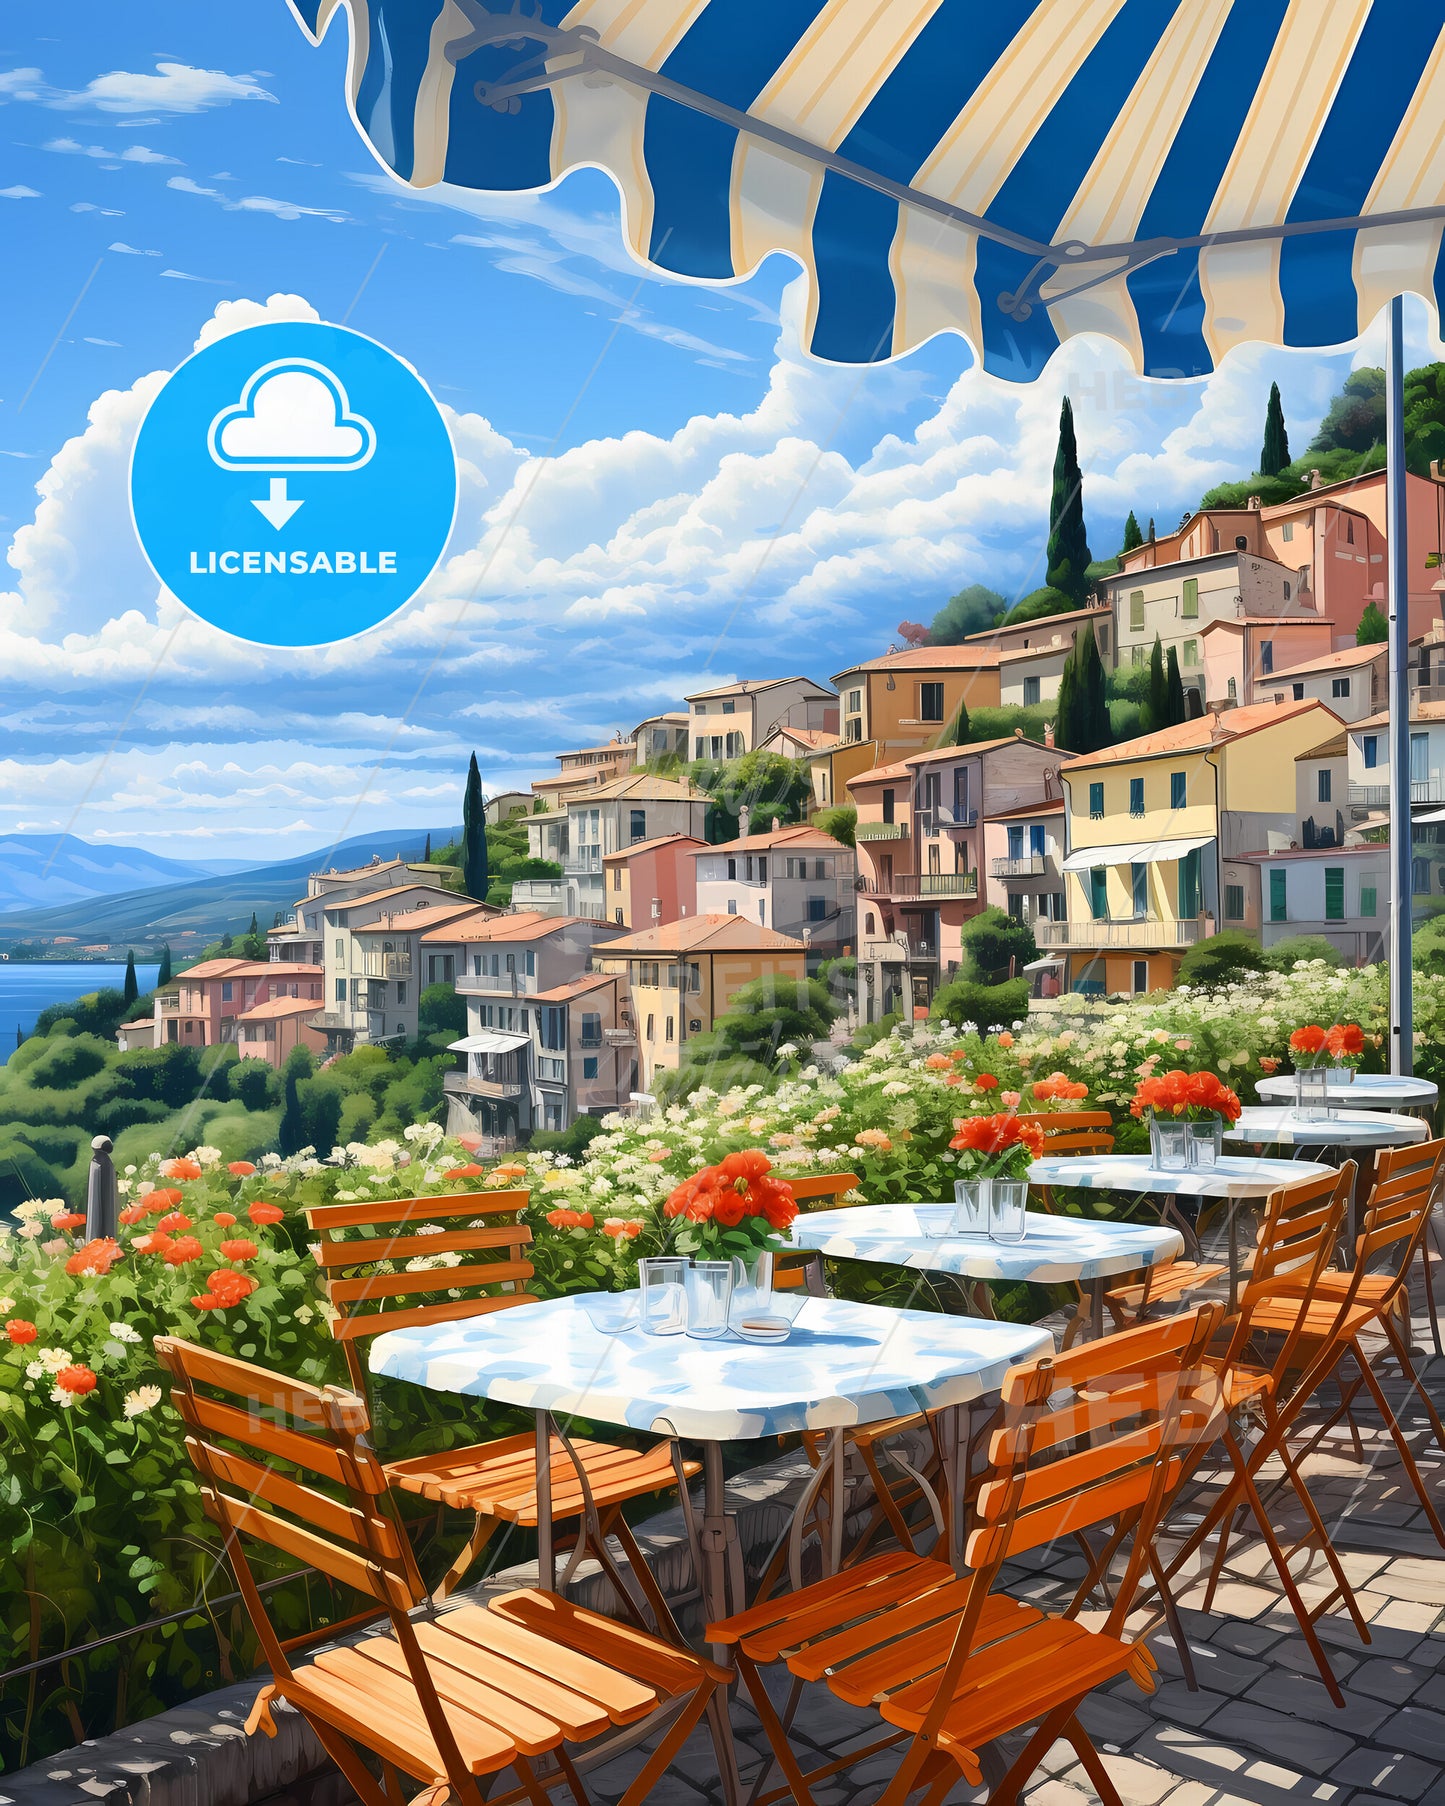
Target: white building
371 953
1351 682
1340 892
605 820
735 718
797 880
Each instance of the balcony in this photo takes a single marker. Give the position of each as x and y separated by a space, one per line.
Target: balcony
494 984
1104 936
548 896
466 1084
1030 866
1422 790
923 884
901 950
387 965
582 861
881 830
951 818
620 1037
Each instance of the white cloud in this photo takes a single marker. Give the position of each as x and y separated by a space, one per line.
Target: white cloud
258 203
20 84
90 207
19 192
174 88
133 153
132 250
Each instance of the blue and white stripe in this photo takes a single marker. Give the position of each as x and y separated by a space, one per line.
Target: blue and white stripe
1098 122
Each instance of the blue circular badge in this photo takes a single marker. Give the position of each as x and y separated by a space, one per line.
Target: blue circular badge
293 484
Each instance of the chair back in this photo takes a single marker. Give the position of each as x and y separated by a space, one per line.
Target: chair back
394 1263
1398 1214
1072 1131
1296 1242
801 1269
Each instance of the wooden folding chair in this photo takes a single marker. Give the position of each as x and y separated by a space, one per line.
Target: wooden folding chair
1281 1310
443 1699
1396 1222
1095 1436
394 1276
801 1269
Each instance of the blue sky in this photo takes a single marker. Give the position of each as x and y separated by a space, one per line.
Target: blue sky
658 490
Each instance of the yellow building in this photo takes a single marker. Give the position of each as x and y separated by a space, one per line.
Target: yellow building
1148 828
904 700
684 975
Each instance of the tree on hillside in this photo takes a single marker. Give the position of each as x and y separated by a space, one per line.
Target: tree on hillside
474 835
1275 455
772 788
131 986
957 731
1068 542
426 851
1155 713
1132 536
1374 629
163 976
1355 419
840 822
1082 724
972 610
1177 709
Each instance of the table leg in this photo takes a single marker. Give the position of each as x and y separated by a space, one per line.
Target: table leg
1096 1309
718 1540
1231 1220
546 1557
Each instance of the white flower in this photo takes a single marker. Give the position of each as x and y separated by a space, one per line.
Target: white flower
57 1245
271 1160
144 1398
33 1210
123 1332
7 1304
51 1360
207 1156
59 1396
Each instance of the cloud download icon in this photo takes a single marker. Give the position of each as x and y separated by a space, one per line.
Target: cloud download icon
286 400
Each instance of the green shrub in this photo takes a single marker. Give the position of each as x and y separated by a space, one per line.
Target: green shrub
990 940
1283 954
1221 958
986 1006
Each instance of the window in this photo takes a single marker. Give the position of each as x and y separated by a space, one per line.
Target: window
1278 899
589 1067
1334 893
226 990
1288 592
1096 802
531 962
1136 796
732 906
763 910
1191 652
1139 889
1368 903
1370 750
1141 977
1234 902
637 824
1189 886
591 1028
1287 532
401 993
729 707
1190 609
1031 692
699 708
1266 656
930 702
340 951
341 990
1323 785
1232 690
617 915
888 796
1419 759
1136 611
669 1026
853 730
817 909
732 868
1136 657
617 877
1340 686
715 746
1036 840
735 746
511 960
855 701
652 1028
1349 532
1099 893
1015 843
1178 789
699 747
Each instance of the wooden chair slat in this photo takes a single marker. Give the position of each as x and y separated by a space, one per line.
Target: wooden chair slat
404 1247
416 1210
559 1623
511 1635
822 1185
243 1426
348 1328
327 1514
578 1713
401 1737
259 1385
341 1564
429 1279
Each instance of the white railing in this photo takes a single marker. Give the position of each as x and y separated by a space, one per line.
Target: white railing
1144 934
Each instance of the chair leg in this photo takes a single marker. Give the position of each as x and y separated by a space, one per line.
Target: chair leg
1400 1346
482 1533
1382 1405
666 1624
1006 1792
678 1733
1175 1623
1093 1763
1344 1590
774 1730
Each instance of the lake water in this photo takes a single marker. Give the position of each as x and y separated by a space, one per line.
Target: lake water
29 986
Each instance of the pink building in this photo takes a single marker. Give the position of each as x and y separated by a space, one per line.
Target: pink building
650 882
203 1008
272 1029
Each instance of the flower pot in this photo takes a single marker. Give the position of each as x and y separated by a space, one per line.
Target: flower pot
970 1206
1007 1201
1168 1143
1205 1141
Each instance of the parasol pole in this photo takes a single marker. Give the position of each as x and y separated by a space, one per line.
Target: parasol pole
1402 1036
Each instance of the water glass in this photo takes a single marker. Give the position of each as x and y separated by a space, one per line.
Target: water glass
1206 1142
1007 1201
753 1281
1312 1092
970 1206
1169 1144
709 1298
663 1279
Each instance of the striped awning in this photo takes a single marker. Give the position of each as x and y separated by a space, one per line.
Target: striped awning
1180 175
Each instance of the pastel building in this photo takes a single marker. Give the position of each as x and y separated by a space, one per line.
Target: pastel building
903 701
797 880
1340 892
736 718
204 1002
607 818
1031 654
300 940
651 882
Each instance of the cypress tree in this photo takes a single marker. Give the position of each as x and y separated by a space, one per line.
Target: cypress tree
1178 709
1068 542
131 989
474 836
19 1035
1151 530
163 976
1156 704
292 1133
958 730
1094 690
426 854
1132 536
255 927
1066 716
1275 455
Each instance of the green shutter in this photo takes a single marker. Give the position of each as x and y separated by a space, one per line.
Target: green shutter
1099 893
1136 611
1191 598
1278 909
1368 903
1189 886
1334 893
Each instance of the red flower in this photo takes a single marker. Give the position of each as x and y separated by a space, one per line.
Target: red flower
740 1185
133 1213
67 1219
228 1287
1268 1063
1308 1040
161 1200
463 1172
183 1250
262 1213
174 1222
207 1301
985 1082
182 1168
997 1134
98 1256
20 1330
620 1227
570 1219
243 1169
1174 1093
77 1379
1060 1086
224 1220
470 1142
1346 1040
239 1249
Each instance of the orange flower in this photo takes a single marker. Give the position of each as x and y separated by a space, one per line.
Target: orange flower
1058 1085
207 1301
1268 1063
512 1169
463 1172
224 1219
180 1252
228 1287
997 1134
76 1379
1308 1040
183 1168
239 1249
620 1227
1005 1040
20 1330
741 1185
1346 1040
133 1213
67 1219
938 1062
173 1222
97 1257
261 1212
161 1200
570 1219
243 1169
1174 1093
985 1082
470 1142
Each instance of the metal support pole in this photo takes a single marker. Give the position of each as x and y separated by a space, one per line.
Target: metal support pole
1402 1026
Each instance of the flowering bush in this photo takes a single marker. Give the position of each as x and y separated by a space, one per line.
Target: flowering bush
1186 1094
732 1208
996 1147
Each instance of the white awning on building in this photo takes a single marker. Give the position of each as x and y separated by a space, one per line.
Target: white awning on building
1133 852
1378 821
1042 965
488 1041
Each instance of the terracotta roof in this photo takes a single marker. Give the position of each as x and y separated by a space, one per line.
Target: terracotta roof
1302 620
1068 614
1012 654
524 925
748 687
648 846
574 987
373 896
426 917
281 1006
1233 724
1373 846
704 934
815 737
1335 661
939 658
645 787
139 1022
1045 808
1335 748
375 867
1419 711
799 835
974 746
878 773
233 968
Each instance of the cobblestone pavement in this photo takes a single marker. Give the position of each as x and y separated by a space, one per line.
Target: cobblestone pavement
1260 1726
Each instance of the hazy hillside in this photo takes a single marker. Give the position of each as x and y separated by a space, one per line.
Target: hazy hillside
43 869
188 911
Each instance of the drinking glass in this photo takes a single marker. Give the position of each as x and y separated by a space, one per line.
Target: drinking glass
1169 1144
663 1278
752 1281
1206 1142
1007 1201
709 1296
970 1206
1312 1092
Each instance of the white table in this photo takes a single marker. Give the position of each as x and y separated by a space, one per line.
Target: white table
1237 1178
1368 1091
1345 1129
1056 1250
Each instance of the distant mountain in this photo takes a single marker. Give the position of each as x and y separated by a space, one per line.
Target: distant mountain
38 870
188 912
